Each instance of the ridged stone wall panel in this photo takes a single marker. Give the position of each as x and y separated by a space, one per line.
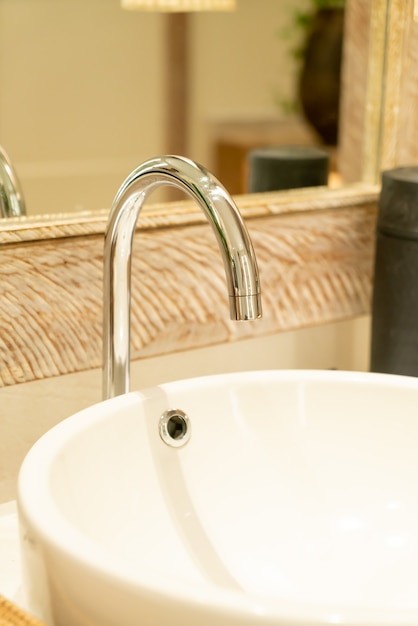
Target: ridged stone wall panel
315 264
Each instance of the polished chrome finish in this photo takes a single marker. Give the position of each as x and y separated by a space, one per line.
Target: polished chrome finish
175 429
233 240
11 196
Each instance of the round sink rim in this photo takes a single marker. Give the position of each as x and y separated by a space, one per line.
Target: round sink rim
52 528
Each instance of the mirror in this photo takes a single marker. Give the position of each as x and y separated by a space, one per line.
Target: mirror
83 95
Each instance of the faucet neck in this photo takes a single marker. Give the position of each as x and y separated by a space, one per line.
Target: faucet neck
233 240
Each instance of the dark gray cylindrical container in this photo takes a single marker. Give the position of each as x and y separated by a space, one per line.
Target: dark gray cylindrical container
394 342
273 168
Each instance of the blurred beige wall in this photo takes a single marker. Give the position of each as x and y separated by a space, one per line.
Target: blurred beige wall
82 95
242 66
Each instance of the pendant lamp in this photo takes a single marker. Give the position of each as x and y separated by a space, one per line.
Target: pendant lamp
179 6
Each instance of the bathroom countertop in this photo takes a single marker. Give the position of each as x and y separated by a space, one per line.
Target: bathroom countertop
10 574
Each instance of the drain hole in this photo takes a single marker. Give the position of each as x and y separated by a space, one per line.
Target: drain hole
175 427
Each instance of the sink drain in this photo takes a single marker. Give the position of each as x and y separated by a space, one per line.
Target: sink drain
174 428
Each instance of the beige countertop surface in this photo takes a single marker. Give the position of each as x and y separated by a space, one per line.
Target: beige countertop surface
9 552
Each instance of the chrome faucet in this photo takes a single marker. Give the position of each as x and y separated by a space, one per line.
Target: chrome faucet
11 197
233 240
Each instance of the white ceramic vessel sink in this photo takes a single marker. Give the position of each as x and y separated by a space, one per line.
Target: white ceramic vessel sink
295 501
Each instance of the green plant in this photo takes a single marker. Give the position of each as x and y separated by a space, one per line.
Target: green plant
302 19
328 4
296 32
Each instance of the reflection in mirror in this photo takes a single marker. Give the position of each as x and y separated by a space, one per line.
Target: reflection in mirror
83 96
12 203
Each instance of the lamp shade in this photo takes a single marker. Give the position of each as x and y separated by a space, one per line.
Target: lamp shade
179 6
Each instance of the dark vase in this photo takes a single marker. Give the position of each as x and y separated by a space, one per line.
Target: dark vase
319 86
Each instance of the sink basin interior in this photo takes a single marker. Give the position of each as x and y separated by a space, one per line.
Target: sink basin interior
293 499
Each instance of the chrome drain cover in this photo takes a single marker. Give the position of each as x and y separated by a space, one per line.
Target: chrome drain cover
174 427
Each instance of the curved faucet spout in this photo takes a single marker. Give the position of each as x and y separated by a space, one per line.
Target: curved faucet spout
233 240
